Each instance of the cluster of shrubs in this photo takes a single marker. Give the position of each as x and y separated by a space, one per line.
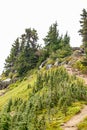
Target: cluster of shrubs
54 88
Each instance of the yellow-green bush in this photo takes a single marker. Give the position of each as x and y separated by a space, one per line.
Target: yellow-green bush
83 125
80 66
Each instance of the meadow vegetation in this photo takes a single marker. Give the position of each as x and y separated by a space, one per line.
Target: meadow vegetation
41 98
52 99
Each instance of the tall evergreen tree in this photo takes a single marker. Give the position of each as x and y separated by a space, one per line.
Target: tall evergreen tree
22 42
23 54
31 37
28 58
54 42
66 39
11 59
83 30
52 39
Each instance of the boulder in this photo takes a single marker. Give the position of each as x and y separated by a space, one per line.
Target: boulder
78 53
5 83
49 66
56 63
42 64
7 80
63 63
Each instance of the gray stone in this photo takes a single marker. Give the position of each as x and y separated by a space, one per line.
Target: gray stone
7 80
49 66
42 64
63 63
56 63
5 83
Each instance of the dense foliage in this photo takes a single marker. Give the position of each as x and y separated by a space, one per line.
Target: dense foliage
83 125
55 42
26 54
54 88
83 30
83 22
23 55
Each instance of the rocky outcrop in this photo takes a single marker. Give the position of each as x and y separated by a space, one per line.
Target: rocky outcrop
42 64
56 62
49 66
75 48
4 83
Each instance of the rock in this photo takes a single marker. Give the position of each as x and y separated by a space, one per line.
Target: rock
78 53
63 63
5 83
7 80
56 63
75 48
72 62
42 64
49 66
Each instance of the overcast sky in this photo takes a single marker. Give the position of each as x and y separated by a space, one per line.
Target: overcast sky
16 15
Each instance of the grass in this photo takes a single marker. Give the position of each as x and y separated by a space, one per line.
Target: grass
18 89
74 109
83 125
59 117
21 89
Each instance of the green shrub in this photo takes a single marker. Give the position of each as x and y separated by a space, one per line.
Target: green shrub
52 88
83 125
80 66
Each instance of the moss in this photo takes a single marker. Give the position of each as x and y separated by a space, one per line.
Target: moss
22 91
83 125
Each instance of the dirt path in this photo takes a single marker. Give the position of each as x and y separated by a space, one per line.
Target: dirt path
72 123
77 73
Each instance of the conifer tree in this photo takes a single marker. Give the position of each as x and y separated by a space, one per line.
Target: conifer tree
54 42
52 39
83 30
11 59
23 56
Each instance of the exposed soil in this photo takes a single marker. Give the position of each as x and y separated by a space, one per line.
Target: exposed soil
76 72
72 123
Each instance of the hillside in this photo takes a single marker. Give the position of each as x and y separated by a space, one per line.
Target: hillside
43 100
44 88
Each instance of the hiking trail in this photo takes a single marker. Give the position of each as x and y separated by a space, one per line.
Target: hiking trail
75 120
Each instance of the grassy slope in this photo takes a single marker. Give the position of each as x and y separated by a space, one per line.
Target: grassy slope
19 89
